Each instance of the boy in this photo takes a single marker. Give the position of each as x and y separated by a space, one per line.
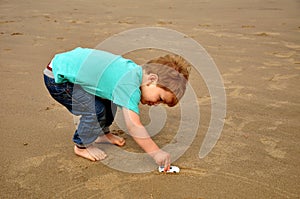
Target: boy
91 83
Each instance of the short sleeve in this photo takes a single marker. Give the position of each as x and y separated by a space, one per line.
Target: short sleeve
127 91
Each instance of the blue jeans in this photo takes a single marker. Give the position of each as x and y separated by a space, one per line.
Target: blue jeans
97 114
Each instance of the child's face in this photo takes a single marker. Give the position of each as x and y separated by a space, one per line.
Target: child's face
154 95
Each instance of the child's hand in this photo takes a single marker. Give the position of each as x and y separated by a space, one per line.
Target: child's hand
162 158
141 136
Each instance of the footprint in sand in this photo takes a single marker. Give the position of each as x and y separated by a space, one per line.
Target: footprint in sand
4 22
233 71
16 33
277 86
278 104
248 26
100 185
163 22
272 63
99 182
7 50
274 127
127 20
278 77
284 54
20 173
204 25
236 124
235 91
271 147
32 162
291 45
266 34
77 21
276 82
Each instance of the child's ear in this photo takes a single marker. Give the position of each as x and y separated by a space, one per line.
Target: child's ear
152 78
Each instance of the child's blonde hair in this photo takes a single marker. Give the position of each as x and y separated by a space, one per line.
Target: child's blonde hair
173 74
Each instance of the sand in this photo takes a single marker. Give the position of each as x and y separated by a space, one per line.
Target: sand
255 45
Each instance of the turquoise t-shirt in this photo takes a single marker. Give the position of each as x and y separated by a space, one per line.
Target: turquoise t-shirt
102 74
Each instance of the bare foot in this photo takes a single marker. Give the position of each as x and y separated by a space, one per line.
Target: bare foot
110 138
92 153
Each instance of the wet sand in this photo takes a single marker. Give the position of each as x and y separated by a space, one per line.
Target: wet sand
255 45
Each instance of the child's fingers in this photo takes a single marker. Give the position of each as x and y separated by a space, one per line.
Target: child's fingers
167 166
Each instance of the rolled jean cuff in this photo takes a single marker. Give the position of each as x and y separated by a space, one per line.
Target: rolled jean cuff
106 130
81 146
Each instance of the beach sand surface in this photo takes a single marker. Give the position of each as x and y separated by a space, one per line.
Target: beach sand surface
255 45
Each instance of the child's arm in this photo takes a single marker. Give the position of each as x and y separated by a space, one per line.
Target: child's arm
142 138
